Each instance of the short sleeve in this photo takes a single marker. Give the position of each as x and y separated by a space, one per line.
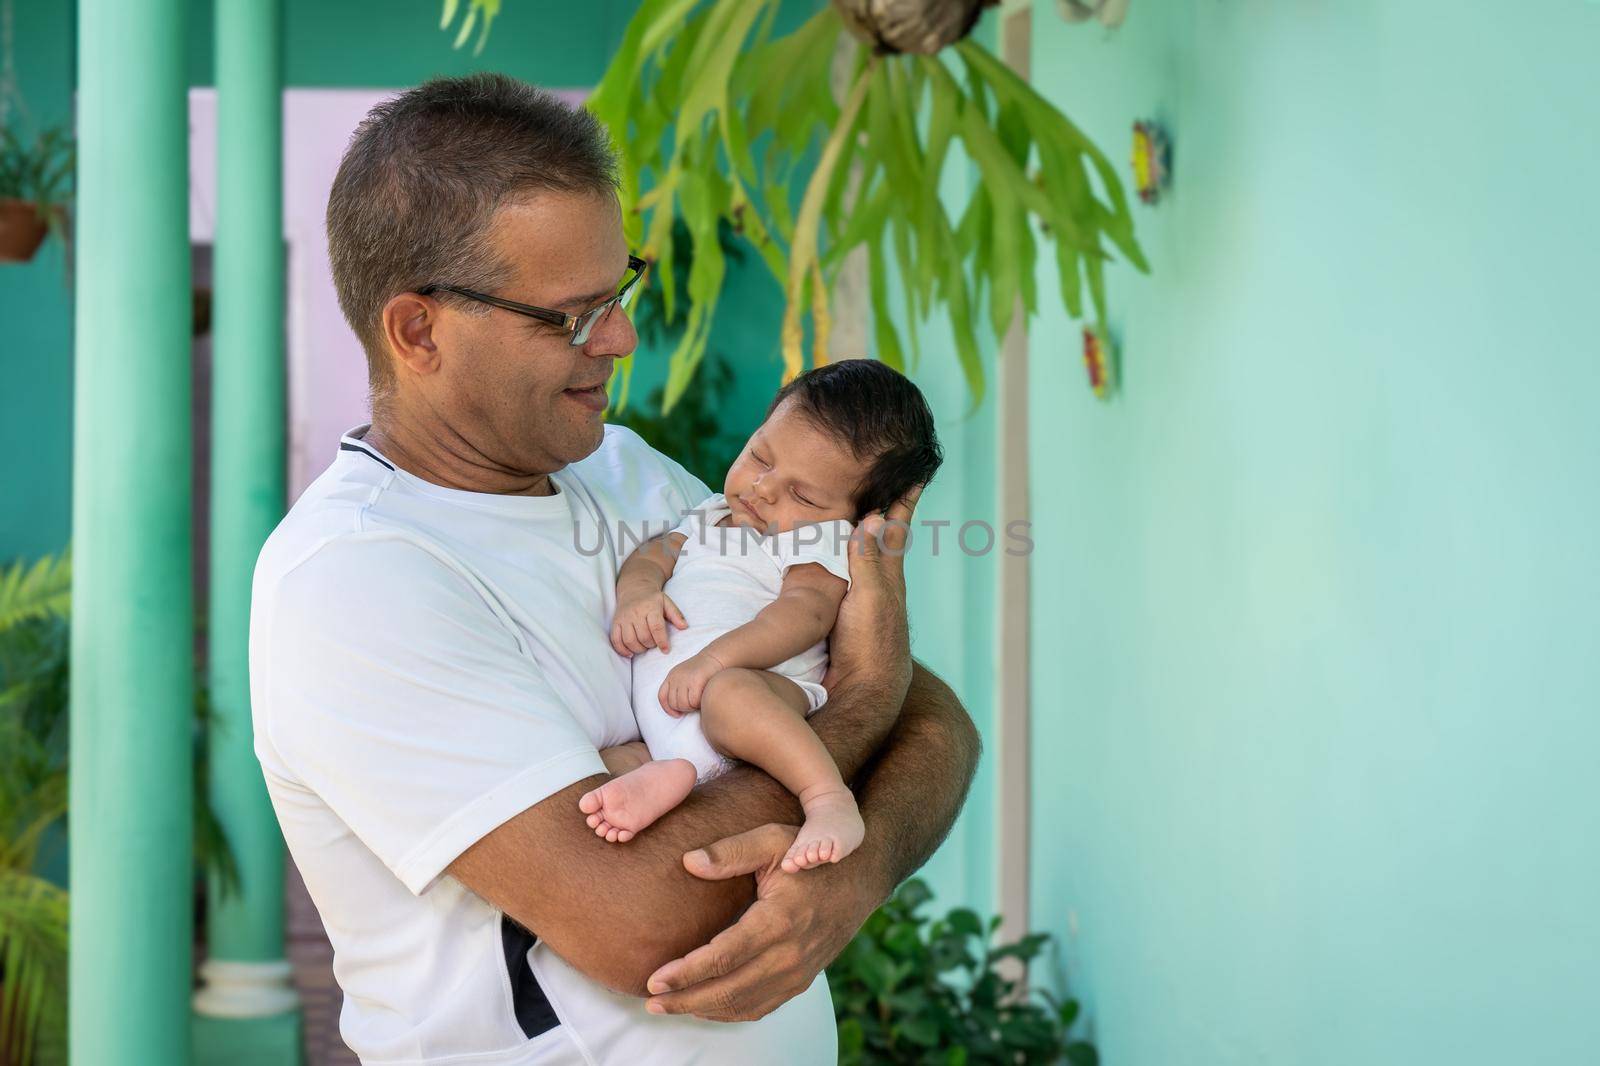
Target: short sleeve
826 544
680 490
389 686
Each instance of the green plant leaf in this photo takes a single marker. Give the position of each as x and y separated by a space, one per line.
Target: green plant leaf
965 922
852 1038
43 590
888 338
1082 1053
923 1032
466 26
33 957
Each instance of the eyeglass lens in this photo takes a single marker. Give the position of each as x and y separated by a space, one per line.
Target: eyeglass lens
587 322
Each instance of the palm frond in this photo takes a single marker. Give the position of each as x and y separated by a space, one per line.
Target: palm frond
43 590
33 968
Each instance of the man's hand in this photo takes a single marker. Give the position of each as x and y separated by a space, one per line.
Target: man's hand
871 640
798 924
681 690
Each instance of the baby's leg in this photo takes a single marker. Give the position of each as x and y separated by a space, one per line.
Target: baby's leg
624 805
760 717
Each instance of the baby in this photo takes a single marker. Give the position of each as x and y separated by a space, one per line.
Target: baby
753 577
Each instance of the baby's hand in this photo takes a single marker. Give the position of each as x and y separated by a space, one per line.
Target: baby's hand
641 622
680 692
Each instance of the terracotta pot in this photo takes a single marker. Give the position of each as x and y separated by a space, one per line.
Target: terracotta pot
918 26
21 230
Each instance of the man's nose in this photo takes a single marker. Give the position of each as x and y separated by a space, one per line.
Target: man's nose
613 336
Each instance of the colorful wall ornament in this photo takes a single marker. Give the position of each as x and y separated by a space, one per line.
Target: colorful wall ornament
1098 361
1152 161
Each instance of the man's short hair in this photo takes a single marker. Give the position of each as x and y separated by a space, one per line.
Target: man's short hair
424 175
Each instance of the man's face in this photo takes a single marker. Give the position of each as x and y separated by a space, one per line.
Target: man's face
512 387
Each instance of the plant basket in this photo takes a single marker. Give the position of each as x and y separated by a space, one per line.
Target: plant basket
22 230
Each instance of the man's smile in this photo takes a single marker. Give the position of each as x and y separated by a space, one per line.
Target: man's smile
593 397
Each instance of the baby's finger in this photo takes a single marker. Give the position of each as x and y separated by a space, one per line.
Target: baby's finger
658 630
616 641
674 615
635 637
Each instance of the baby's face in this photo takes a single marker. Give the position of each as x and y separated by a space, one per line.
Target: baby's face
791 473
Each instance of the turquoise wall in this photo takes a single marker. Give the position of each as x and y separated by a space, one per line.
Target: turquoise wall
1314 668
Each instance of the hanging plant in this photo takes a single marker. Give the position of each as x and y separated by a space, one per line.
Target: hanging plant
716 118
35 181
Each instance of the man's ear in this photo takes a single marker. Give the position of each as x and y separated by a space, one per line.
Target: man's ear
408 324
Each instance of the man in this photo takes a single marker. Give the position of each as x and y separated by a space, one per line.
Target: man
432 681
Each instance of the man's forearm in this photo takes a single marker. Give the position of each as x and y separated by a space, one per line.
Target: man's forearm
912 791
912 772
668 912
918 764
654 911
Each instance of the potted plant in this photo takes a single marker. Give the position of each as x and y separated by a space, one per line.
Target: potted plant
918 990
35 183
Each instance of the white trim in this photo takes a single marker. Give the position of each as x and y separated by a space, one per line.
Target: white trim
245 989
1014 790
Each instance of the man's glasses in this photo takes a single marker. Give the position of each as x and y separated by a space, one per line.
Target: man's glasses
579 326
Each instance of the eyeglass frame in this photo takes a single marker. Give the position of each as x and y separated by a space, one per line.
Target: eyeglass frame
568 323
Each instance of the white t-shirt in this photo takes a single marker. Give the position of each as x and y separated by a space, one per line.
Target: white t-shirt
723 577
426 663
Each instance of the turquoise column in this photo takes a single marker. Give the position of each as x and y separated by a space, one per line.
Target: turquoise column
133 627
246 1000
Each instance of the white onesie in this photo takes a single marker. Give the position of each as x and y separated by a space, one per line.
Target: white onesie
723 578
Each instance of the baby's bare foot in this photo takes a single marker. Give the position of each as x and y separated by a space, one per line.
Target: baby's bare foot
833 830
624 805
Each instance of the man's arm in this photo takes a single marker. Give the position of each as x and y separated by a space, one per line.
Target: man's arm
545 868
914 788
617 913
909 795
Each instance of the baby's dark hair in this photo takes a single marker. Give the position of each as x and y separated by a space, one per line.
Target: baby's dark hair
881 416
